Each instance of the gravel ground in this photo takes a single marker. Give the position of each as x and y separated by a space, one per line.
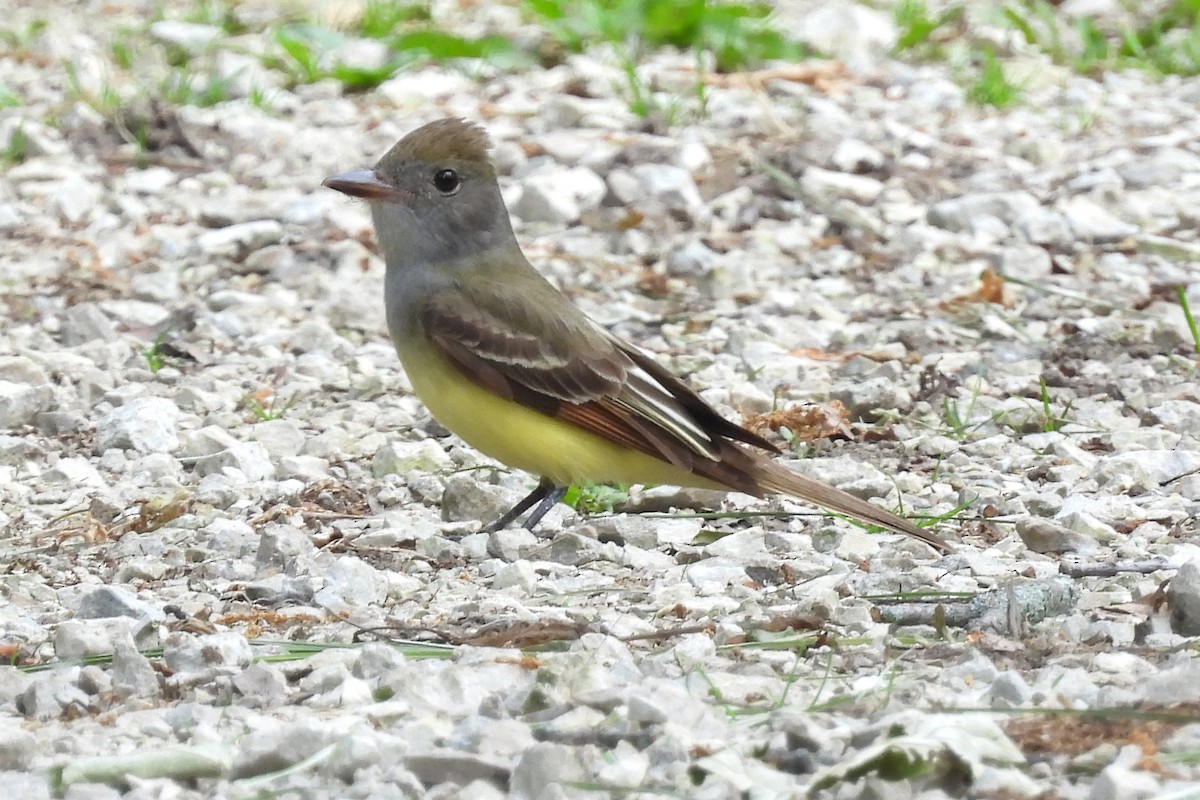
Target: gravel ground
222 509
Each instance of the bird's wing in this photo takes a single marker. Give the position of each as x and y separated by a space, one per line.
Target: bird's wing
537 349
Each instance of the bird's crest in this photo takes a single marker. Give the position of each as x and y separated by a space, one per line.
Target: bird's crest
443 141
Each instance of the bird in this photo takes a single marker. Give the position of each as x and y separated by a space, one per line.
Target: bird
504 360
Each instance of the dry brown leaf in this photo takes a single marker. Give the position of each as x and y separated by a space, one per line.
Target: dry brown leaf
154 513
527 634
1073 735
991 290
808 423
654 284
632 219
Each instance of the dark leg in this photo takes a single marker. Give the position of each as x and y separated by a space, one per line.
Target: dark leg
541 493
548 502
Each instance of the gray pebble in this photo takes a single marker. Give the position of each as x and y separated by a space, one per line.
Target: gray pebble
673 186
144 424
115 601
240 239
354 582
544 767
715 574
191 36
403 458
261 685
16 747
215 450
188 653
963 213
466 498
511 543
133 676
575 549
1044 536
557 195
1183 600
281 438
79 638
1042 226
831 185
20 403
1010 690
84 323
439 766
52 694
1119 782
518 574
1090 222
856 156
866 399
279 746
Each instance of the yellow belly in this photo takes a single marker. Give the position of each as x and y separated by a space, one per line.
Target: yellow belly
523 438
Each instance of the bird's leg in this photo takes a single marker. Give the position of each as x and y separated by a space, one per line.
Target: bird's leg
548 502
544 495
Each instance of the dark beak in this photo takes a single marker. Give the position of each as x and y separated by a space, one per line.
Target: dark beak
365 184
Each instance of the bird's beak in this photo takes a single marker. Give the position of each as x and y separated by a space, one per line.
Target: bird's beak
365 184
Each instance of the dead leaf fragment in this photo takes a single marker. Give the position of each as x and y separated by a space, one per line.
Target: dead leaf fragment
991 290
809 422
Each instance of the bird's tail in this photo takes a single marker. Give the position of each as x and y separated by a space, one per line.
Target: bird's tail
774 477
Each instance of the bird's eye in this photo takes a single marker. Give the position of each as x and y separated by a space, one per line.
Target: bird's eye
447 181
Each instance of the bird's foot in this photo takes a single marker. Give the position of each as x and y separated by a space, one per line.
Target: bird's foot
543 498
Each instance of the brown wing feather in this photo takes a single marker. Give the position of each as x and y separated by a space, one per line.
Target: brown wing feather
519 340
694 404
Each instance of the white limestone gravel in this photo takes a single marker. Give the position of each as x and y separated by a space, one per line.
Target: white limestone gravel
209 456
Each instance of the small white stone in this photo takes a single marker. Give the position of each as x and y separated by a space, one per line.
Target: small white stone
20 403
144 424
352 581
74 472
75 198
239 239
559 195
280 437
1090 222
854 33
152 181
672 185
519 574
714 575
305 468
216 450
855 156
829 185
191 36
404 457
187 653
411 89
369 55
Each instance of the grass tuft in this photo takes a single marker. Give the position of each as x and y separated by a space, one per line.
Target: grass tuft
919 29
730 36
1166 41
596 498
1181 293
269 411
992 87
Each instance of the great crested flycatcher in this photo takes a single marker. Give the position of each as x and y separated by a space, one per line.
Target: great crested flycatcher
507 362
